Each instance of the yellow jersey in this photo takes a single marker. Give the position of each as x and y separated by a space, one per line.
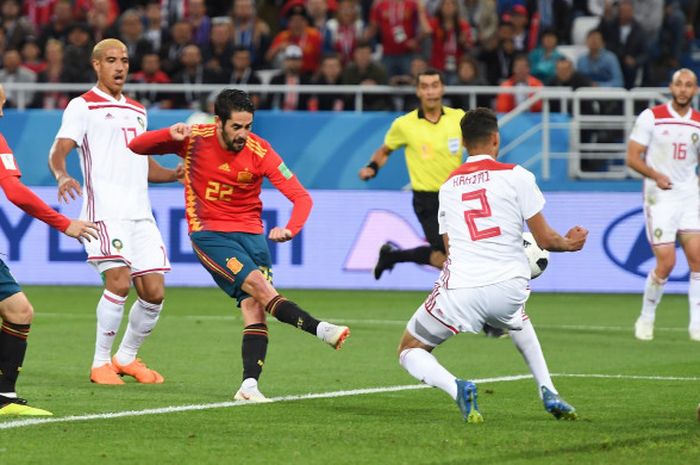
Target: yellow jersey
433 150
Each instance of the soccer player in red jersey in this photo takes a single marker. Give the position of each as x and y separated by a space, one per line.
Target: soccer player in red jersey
16 312
225 164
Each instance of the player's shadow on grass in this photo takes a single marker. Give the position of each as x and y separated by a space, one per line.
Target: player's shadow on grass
583 448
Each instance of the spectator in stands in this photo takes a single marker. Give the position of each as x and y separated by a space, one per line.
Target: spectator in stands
624 37
17 28
109 8
131 33
174 10
363 70
154 31
525 32
58 27
544 58
31 56
318 18
76 54
567 76
498 61
345 30
13 71
397 22
39 12
151 74
217 53
451 38
506 102
558 16
292 74
649 14
200 22
53 72
330 73
668 51
192 73
469 74
181 37
298 33
482 15
243 73
250 31
600 64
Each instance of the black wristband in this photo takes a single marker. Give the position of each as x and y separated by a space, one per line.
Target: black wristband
374 166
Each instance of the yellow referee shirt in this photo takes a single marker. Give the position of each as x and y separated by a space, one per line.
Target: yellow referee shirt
433 150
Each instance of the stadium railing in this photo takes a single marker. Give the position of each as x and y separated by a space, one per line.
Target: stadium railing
599 125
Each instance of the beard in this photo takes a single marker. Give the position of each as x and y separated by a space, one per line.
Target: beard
682 101
234 145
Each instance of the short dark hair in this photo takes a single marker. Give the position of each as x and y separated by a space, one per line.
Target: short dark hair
230 100
477 126
430 72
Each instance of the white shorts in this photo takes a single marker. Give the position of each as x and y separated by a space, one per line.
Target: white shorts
134 243
450 311
666 219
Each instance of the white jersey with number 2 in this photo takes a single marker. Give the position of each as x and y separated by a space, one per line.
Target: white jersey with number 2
673 145
483 205
115 180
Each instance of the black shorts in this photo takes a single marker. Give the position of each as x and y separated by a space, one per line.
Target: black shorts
426 205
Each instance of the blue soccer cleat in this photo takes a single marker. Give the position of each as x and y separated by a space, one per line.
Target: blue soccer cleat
466 401
557 406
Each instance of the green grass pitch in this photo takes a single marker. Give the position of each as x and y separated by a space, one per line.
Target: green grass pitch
643 412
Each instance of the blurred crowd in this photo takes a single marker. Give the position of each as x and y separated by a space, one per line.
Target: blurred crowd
337 42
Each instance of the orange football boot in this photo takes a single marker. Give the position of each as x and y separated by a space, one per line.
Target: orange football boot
105 374
139 371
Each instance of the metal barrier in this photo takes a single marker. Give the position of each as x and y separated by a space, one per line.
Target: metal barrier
601 118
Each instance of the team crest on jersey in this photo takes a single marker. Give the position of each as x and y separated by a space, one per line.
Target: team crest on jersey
695 138
245 177
658 233
234 265
141 122
117 244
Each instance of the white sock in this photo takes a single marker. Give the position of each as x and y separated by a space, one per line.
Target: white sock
653 291
9 395
694 299
110 309
143 317
529 346
423 366
249 383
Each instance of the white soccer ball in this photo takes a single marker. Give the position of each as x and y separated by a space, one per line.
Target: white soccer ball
537 257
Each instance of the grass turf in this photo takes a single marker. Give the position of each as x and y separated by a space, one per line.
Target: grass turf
196 346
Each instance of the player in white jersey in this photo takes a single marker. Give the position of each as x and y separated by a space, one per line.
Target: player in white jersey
485 280
101 123
664 148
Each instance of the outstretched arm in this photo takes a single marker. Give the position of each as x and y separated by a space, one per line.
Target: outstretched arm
547 238
378 159
68 187
24 198
161 141
158 173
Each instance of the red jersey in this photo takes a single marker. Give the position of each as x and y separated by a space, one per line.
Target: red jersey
397 22
20 195
447 47
222 188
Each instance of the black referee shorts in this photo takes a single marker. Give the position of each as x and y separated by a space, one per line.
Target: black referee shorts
426 205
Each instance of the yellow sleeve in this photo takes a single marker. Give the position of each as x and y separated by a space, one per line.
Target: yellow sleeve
395 136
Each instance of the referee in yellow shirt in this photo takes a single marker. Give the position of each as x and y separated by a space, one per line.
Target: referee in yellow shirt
432 137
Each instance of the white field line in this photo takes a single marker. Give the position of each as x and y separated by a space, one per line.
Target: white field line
368 322
321 395
189 408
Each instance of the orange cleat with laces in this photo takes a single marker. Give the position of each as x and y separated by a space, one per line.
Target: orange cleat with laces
139 371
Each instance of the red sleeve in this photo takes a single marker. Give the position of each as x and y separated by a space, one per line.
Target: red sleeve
158 142
288 184
20 195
